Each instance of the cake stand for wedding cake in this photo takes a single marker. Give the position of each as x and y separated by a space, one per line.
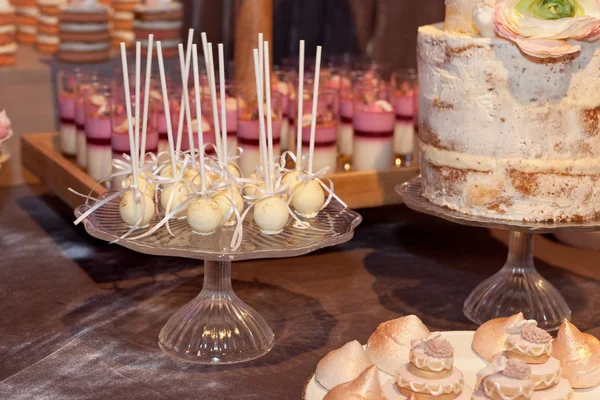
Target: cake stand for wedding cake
517 287
217 327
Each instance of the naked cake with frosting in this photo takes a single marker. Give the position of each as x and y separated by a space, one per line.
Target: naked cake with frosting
509 106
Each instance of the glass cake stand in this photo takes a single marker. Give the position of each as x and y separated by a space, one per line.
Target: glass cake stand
517 287
217 327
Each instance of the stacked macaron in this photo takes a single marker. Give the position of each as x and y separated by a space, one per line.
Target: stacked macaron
47 27
163 18
8 46
27 14
122 22
83 33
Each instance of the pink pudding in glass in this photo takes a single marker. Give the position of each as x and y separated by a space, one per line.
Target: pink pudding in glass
80 132
346 129
404 129
68 132
98 132
325 154
373 136
249 139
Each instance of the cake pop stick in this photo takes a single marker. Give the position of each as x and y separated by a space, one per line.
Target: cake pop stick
261 60
138 67
300 96
184 64
128 109
267 88
184 88
261 120
223 104
146 99
313 122
163 84
213 97
199 117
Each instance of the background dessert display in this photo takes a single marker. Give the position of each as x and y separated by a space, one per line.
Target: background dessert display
162 18
27 20
122 20
47 38
8 31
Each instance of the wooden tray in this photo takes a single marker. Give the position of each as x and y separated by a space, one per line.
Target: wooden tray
40 156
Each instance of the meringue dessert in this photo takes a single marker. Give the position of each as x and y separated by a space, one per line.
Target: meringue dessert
490 337
579 355
342 365
204 216
431 374
389 346
365 387
504 379
271 214
136 213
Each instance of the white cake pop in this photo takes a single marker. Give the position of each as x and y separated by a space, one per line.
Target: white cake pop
131 211
235 170
204 216
224 199
143 184
308 198
271 214
180 193
291 179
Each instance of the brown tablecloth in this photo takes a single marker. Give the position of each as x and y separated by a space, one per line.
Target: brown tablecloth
79 318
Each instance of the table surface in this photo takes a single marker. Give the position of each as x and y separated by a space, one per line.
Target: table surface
79 318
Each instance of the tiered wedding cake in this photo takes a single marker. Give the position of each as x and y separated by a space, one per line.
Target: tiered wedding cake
510 109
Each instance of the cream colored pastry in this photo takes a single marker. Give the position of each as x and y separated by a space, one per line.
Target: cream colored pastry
291 179
504 135
136 213
365 387
430 372
528 342
389 346
342 365
504 379
227 200
204 216
143 184
561 391
308 198
490 337
271 214
546 375
579 355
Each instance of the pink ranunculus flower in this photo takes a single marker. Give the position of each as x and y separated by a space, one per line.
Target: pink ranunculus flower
548 28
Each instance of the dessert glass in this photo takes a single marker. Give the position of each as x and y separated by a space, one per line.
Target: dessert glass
326 131
404 89
97 109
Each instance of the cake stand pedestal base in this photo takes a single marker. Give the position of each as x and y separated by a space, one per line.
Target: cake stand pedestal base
518 287
216 327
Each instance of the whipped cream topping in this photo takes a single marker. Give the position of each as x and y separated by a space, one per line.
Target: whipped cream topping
47 19
47 39
8 48
79 46
84 27
536 335
6 7
483 17
433 353
28 11
158 25
8 29
502 365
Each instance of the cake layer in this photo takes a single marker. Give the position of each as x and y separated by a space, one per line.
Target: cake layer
483 96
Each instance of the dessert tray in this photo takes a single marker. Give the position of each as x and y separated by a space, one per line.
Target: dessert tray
217 327
465 359
517 287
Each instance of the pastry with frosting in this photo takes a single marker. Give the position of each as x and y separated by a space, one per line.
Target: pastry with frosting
509 109
365 387
431 374
528 343
389 346
342 365
490 337
47 38
8 29
163 18
122 22
84 36
504 379
27 15
579 354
